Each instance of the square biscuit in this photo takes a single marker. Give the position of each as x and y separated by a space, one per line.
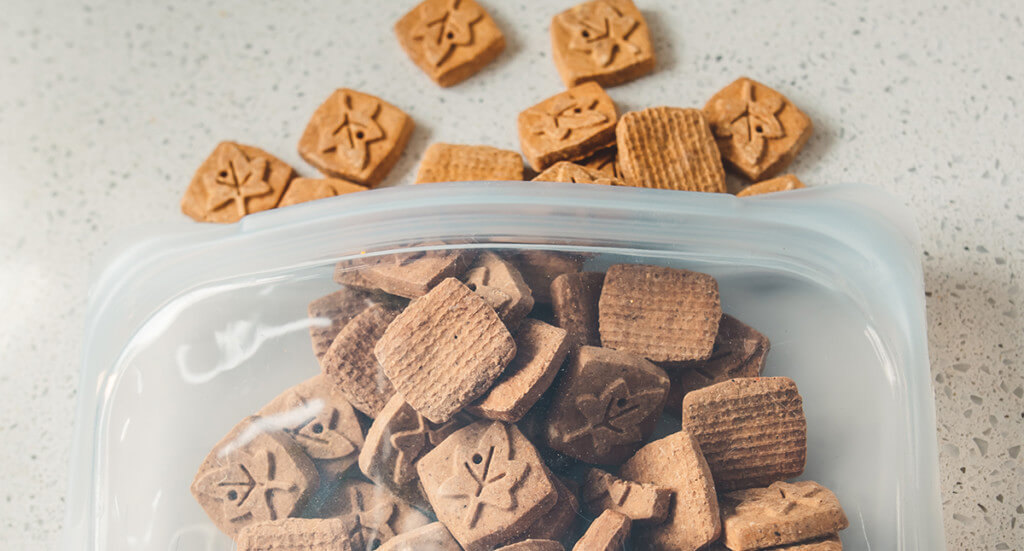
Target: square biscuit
501 285
444 162
567 126
337 308
781 514
608 532
372 514
295 534
602 41
349 364
302 190
432 537
565 171
450 40
412 274
235 180
669 148
786 182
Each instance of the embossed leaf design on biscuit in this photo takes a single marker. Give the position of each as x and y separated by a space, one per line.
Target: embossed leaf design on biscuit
350 132
485 475
779 499
246 486
565 114
319 433
749 121
444 27
601 30
612 417
368 526
408 446
236 179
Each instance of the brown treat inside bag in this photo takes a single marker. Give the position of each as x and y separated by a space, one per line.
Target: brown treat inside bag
604 161
564 171
558 523
443 162
533 545
339 307
352 273
372 514
606 404
355 136
574 297
603 41
540 351
235 180
758 130
501 285
486 483
567 126
752 431
445 350
311 189
540 268
828 543
607 533
676 462
669 148
643 503
783 513
659 313
786 182
295 534
351 366
432 537
411 274
253 474
321 421
450 40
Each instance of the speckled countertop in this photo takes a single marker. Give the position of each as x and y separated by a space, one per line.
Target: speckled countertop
106 108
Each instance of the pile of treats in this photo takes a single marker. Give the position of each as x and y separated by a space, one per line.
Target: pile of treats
355 138
474 400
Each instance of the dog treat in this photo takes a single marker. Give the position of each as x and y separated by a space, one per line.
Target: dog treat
450 40
643 503
372 514
567 126
311 189
669 148
564 171
351 365
783 513
605 405
556 524
411 274
604 161
295 534
752 431
540 268
603 41
355 136
501 285
739 351
786 182
540 351
574 297
533 545
445 350
663 314
339 307
757 129
486 483
443 162
235 180
320 420
828 543
607 533
676 462
351 273
431 537
253 474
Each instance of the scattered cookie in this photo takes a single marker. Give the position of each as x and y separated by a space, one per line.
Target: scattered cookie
752 431
574 297
540 268
432 537
501 285
676 462
372 514
607 533
295 534
642 503
604 161
355 136
533 545
659 313
564 171
450 40
669 148
567 126
444 162
786 182
351 366
339 307
411 274
301 190
235 180
758 130
783 513
557 524
486 483
603 41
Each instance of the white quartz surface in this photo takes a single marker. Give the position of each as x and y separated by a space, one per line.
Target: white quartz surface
106 108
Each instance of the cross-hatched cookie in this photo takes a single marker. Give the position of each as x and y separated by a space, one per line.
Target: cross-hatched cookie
786 182
574 297
235 180
781 514
337 308
351 365
295 534
411 274
501 285
643 503
752 431
371 514
450 40
301 190
567 126
669 148
540 268
603 41
607 533
432 537
565 171
444 162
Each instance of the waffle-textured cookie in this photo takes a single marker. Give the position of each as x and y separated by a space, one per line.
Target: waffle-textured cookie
669 148
443 162
533 545
659 313
301 190
676 462
372 514
786 182
445 350
351 366
235 180
607 533
758 130
603 41
295 534
781 514
501 285
449 40
565 171
339 307
559 523
752 431
540 268
431 537
604 161
569 125
574 298
411 274
643 503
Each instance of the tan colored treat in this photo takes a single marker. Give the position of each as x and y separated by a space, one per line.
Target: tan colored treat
607 533
486 483
411 274
643 503
828 543
604 161
501 285
350 364
783 513
574 298
669 148
450 40
558 523
235 180
659 313
540 351
372 514
603 41
253 474
540 268
533 545
606 404
758 130
443 162
564 171
321 421
311 189
355 136
676 462
339 307
352 273
432 537
295 534
786 182
567 126
752 431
